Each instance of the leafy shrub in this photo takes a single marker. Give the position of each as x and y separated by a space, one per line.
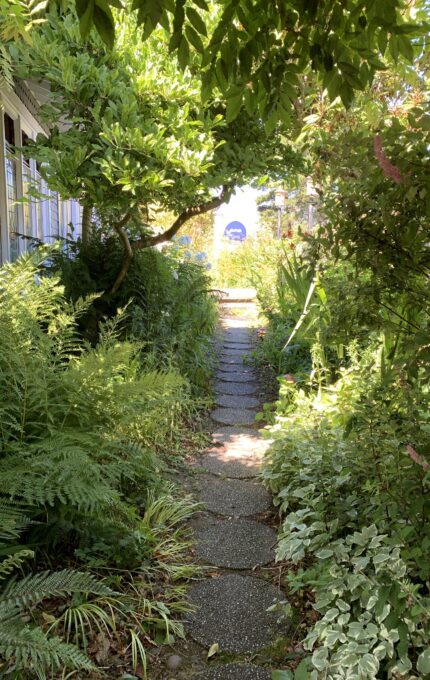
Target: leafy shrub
170 311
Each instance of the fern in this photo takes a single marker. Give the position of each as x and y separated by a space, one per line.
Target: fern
36 587
30 648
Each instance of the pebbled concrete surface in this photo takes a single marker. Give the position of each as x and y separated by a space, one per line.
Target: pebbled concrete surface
233 464
236 376
234 416
231 610
223 387
233 497
235 544
235 671
236 401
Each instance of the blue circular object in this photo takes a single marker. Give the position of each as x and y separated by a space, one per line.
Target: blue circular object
235 231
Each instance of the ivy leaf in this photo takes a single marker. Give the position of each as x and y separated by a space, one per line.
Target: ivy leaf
282 675
319 658
423 663
369 665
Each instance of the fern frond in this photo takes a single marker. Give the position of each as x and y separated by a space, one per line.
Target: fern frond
12 519
36 587
31 648
13 562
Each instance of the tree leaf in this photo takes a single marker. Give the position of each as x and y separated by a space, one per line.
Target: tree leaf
234 104
196 20
86 18
104 22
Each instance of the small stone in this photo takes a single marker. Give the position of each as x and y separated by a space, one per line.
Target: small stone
173 662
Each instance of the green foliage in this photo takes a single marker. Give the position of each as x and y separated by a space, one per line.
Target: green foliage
349 463
79 472
168 307
254 52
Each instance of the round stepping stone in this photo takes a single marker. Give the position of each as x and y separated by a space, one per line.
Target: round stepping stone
223 362
235 671
235 376
238 336
233 344
218 461
234 388
237 437
236 401
237 544
232 611
234 497
232 353
234 416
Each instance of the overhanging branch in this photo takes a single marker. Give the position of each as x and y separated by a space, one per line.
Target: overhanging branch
182 218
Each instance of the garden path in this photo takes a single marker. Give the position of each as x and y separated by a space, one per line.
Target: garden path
231 605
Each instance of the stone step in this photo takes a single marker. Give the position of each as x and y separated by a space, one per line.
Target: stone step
231 610
235 376
235 671
236 401
234 464
233 497
235 544
234 416
222 387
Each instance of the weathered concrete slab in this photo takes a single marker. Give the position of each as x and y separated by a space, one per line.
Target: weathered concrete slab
233 497
243 345
236 401
222 387
236 376
224 361
232 353
235 671
234 416
235 464
231 610
235 544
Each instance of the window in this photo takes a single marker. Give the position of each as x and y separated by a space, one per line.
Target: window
28 208
11 185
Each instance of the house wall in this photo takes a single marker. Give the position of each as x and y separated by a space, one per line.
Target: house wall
46 219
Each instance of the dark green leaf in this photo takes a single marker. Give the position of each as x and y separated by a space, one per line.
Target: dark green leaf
196 20
104 22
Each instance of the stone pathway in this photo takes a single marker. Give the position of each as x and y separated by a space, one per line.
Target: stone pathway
231 607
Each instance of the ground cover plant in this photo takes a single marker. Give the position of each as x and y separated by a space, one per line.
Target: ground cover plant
349 465
81 490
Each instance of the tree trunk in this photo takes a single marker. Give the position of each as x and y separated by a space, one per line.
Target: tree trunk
86 223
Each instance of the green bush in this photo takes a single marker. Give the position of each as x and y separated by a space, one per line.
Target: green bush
170 311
